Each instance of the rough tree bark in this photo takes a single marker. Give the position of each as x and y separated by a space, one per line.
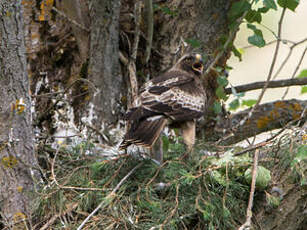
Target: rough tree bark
268 116
202 20
16 138
104 68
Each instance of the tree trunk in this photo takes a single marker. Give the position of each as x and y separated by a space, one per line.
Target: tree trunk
16 137
204 21
104 68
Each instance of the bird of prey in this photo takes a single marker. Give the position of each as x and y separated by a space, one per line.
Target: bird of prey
176 97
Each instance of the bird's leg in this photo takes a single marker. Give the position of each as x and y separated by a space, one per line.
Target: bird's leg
188 134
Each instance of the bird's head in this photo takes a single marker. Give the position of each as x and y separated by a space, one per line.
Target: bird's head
191 63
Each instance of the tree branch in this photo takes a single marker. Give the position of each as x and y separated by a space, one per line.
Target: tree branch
272 84
269 77
266 117
249 213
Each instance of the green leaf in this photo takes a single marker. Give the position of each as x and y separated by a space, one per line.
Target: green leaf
270 4
257 38
263 10
220 93
237 52
303 73
304 89
217 107
193 42
234 104
253 16
222 81
237 9
290 4
249 102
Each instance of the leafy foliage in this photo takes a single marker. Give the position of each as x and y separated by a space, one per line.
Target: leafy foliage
270 4
290 4
249 103
257 38
302 74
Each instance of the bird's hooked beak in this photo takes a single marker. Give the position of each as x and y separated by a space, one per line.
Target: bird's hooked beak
198 64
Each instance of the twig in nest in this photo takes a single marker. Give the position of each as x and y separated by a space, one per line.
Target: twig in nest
249 213
270 139
108 199
68 187
174 209
54 218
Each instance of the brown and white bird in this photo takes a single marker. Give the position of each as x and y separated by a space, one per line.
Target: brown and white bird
176 97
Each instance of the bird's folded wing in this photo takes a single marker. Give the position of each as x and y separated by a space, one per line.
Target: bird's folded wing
173 98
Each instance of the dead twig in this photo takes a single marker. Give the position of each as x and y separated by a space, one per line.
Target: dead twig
231 36
249 213
174 209
54 218
288 56
131 64
108 199
68 187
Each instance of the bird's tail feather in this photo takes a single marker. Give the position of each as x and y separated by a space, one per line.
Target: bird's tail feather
146 132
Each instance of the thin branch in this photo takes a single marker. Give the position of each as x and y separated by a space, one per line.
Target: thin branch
123 59
131 64
273 61
150 28
174 209
269 75
271 84
70 20
295 71
230 38
108 199
54 218
249 213
288 56
68 187
251 148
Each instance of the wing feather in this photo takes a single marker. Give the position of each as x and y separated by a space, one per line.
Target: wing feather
175 95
